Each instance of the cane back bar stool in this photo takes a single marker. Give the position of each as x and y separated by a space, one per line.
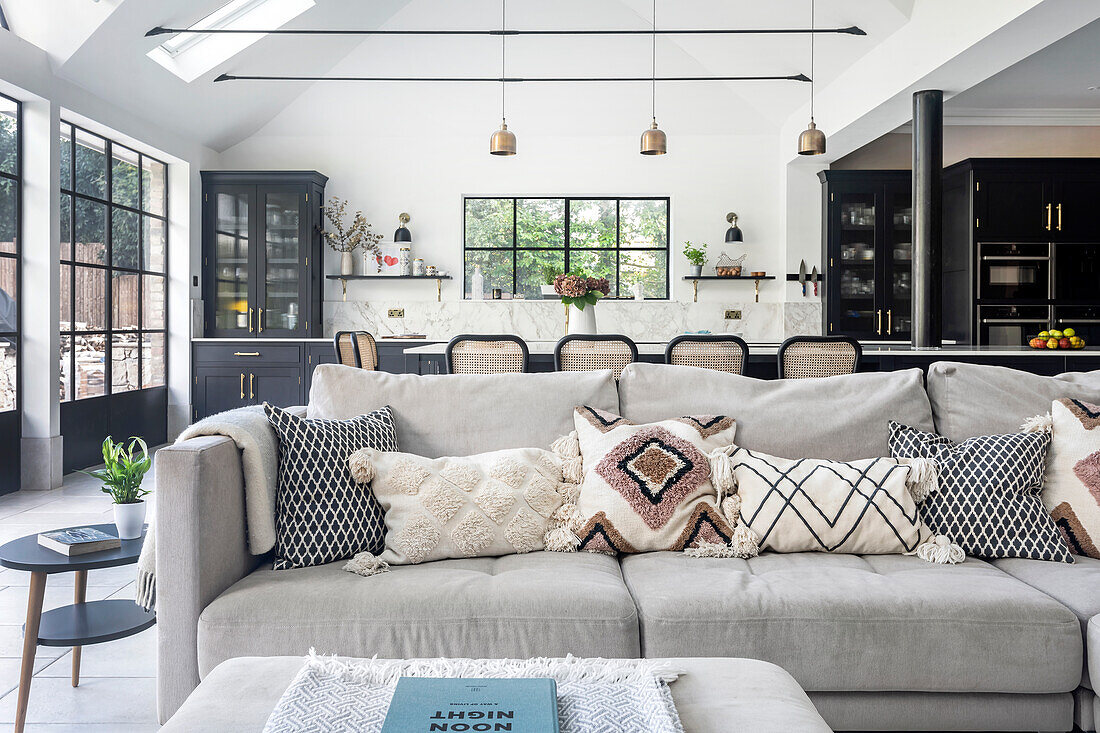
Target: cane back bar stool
818 356
356 349
486 354
721 352
583 353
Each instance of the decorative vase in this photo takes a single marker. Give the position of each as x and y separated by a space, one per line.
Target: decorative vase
639 291
406 262
347 263
129 520
582 321
695 270
477 284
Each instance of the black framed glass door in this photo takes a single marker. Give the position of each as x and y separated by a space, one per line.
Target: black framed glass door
11 393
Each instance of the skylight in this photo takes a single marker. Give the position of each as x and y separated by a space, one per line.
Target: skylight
190 55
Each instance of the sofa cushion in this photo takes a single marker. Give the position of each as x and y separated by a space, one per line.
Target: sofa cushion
537 604
1093 643
1077 587
860 622
840 418
977 399
463 414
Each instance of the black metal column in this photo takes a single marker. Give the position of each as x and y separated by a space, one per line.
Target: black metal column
927 217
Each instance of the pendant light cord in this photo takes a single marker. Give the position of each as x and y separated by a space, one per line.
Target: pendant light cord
813 76
503 40
653 66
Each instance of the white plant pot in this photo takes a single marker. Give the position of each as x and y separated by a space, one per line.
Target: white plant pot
129 520
582 321
347 263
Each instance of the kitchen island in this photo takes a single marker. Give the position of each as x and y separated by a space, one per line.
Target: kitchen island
430 358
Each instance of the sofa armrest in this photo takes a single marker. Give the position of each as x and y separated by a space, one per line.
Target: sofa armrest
1092 653
202 549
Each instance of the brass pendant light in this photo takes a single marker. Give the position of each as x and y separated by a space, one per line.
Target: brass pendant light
654 141
812 140
503 141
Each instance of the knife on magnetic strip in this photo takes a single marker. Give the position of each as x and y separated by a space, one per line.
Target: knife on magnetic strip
802 277
813 279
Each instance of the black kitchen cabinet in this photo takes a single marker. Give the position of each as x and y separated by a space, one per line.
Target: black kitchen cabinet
868 254
1021 243
262 257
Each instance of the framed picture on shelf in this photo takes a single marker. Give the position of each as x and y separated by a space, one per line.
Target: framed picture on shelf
390 260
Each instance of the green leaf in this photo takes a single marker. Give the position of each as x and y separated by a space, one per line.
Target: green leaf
579 303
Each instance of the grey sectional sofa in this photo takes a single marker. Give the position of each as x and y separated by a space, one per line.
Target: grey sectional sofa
878 642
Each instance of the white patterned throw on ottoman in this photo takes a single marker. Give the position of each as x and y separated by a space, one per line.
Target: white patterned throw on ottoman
594 695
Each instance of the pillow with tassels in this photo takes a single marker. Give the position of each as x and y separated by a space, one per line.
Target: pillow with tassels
646 488
867 506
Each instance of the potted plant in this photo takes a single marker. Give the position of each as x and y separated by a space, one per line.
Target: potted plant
549 274
122 473
346 238
578 291
697 257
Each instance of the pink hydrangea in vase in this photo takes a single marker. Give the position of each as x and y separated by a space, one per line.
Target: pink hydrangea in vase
580 294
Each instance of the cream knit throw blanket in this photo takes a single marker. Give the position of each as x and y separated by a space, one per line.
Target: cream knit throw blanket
594 695
249 428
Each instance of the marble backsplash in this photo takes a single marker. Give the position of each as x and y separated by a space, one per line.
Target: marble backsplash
538 320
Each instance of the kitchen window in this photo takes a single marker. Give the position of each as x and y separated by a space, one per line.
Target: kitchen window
114 289
10 185
520 243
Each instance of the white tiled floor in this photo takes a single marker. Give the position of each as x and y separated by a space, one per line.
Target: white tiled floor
117 692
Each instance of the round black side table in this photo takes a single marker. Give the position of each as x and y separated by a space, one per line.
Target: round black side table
79 624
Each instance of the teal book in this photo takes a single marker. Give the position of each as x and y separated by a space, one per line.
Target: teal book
466 705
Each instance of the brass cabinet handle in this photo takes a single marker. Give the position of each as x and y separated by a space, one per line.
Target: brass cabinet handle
878 328
250 316
1059 217
889 320
242 385
260 321
246 353
1050 216
251 391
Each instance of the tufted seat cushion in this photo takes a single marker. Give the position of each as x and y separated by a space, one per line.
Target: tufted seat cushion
537 604
860 622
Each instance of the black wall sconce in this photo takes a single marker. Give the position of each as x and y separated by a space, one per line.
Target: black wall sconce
733 234
403 234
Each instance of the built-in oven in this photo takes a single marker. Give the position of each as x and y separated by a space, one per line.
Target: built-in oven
1077 271
1083 319
1011 325
1016 271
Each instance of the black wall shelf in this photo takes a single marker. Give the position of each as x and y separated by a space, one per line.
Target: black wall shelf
695 282
438 281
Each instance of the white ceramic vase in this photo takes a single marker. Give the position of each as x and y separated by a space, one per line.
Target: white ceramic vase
582 321
129 520
347 263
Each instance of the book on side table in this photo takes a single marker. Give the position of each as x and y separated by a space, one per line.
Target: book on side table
521 705
78 541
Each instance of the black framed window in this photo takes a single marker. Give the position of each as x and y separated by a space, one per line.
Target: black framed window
114 248
518 243
10 209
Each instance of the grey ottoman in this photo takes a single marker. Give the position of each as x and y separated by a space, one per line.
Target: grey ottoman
712 696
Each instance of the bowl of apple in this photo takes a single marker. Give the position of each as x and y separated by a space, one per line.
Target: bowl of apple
1056 339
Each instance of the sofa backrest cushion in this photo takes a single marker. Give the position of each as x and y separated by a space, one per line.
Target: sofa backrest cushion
842 418
977 399
463 414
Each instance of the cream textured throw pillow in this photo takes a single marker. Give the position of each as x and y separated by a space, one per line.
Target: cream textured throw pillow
861 507
645 487
1072 491
486 505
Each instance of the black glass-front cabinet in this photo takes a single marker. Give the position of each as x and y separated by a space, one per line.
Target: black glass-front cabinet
868 254
262 253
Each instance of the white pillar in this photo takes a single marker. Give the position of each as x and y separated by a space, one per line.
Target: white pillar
41 447
184 218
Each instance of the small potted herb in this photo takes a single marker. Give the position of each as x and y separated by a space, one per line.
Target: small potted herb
549 274
697 257
123 470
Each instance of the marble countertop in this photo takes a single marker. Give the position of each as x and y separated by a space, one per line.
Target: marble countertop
265 340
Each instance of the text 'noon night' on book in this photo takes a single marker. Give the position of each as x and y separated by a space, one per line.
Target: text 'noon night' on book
78 541
469 705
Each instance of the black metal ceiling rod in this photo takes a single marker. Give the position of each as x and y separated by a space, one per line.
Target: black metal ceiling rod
507 79
850 30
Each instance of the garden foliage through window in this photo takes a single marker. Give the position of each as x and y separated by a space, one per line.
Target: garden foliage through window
521 243
114 289
9 252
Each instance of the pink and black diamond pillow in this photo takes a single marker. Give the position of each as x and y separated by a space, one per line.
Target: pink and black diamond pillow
988 499
1072 493
648 487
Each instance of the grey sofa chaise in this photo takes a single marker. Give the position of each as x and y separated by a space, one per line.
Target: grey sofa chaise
883 642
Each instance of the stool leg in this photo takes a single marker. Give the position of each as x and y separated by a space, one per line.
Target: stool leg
80 588
30 646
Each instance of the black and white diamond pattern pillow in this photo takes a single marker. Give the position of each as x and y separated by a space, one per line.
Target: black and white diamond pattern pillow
988 501
321 513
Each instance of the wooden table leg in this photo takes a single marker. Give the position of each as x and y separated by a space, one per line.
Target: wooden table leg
80 588
30 646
